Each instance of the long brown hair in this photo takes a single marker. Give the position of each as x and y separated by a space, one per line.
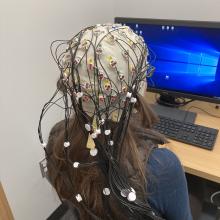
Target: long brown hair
90 181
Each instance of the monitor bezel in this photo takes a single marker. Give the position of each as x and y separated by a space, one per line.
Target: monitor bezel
189 23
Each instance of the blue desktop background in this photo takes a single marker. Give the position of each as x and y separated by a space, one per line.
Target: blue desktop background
187 59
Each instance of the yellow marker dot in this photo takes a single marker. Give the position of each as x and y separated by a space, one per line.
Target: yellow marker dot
90 61
90 143
114 116
94 124
109 58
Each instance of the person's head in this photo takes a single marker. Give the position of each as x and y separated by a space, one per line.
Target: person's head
93 156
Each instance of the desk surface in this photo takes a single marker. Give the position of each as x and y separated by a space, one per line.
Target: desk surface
198 161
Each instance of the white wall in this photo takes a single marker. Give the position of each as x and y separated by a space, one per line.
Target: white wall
173 9
28 77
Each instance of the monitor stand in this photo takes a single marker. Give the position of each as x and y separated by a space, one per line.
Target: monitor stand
168 100
173 112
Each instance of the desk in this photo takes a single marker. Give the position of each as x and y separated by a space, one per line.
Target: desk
198 161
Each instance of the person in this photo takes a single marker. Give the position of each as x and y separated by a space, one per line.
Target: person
103 158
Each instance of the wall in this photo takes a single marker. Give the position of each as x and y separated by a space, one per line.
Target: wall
28 76
173 9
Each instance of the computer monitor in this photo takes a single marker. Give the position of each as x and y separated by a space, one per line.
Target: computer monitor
186 55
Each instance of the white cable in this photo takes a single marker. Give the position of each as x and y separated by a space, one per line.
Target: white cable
213 195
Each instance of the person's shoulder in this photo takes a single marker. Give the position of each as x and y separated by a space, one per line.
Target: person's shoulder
163 157
167 186
163 162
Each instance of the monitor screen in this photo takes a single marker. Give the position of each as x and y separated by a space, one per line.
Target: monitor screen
186 57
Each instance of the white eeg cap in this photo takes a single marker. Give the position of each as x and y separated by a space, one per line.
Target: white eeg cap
118 52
